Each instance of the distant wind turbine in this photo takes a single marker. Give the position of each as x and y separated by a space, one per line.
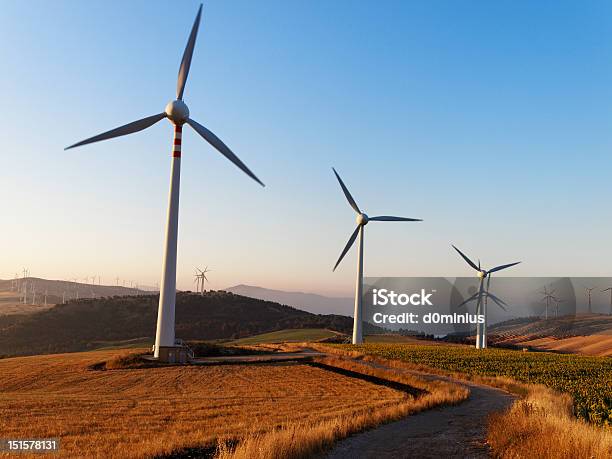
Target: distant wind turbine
197 280
362 221
589 290
610 290
201 275
177 113
548 297
558 302
481 305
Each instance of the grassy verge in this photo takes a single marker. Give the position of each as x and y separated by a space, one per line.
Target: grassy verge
302 440
542 425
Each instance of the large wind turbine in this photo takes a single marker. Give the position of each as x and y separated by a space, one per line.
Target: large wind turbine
178 114
481 306
362 221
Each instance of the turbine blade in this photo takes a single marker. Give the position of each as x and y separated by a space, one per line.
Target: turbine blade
472 298
499 268
187 54
609 288
221 148
468 261
349 198
388 218
347 246
499 302
126 129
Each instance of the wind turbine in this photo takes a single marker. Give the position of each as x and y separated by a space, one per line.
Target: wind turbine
609 289
558 302
548 296
362 221
197 280
589 290
178 114
200 278
481 306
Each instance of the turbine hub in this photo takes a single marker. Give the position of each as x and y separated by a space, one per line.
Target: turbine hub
362 219
482 274
177 112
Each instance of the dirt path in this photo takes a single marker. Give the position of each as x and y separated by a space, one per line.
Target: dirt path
456 431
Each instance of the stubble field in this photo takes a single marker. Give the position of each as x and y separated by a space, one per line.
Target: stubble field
152 411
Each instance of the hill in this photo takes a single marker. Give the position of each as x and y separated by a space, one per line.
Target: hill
83 324
292 335
55 291
588 334
310 302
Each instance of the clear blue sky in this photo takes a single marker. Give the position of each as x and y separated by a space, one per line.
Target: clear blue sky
490 120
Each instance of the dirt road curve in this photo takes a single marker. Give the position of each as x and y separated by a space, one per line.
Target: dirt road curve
456 431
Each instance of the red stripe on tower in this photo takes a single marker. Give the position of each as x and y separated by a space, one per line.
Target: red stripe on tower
178 133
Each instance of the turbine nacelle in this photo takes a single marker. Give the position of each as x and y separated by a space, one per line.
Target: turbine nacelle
482 274
177 112
362 219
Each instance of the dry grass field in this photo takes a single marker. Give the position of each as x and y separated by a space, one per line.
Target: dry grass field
10 304
542 425
311 438
150 411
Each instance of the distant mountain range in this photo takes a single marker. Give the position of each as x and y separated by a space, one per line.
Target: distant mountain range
95 322
311 302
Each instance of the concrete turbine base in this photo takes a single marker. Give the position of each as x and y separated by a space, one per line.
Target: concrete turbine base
173 354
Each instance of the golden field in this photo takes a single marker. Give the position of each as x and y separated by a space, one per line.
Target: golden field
142 412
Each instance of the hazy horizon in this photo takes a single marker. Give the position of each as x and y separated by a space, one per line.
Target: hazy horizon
489 121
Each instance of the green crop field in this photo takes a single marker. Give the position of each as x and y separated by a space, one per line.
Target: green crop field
289 335
587 379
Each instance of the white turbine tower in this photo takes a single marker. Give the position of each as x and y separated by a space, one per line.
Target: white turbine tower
178 114
481 306
362 221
